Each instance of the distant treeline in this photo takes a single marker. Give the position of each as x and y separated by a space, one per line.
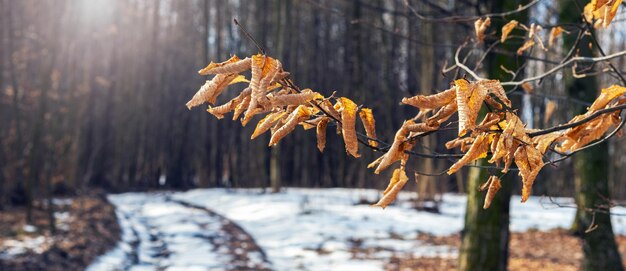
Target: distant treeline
93 93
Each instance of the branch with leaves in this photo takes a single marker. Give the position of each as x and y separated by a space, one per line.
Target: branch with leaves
498 135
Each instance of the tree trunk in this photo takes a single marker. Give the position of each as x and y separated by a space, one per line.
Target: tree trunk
591 171
485 238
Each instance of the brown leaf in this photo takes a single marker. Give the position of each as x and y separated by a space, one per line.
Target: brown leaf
321 133
606 96
266 123
554 33
507 28
367 118
478 150
527 45
210 90
232 65
348 120
298 115
494 186
469 99
398 180
295 99
480 26
550 107
396 151
529 162
431 101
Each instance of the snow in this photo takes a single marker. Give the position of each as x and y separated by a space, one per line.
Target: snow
307 229
159 234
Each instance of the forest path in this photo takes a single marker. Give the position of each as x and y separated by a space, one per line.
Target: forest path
160 233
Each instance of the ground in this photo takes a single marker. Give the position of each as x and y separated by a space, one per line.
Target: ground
322 229
86 228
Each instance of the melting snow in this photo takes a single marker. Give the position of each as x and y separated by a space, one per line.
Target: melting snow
303 229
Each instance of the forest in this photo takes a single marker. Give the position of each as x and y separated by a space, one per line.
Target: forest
105 138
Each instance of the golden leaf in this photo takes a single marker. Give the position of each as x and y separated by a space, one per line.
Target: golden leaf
459 141
529 162
348 121
605 13
321 133
298 115
554 33
507 143
443 114
597 4
241 107
367 118
606 96
494 186
507 28
295 99
232 65
480 26
398 180
543 142
219 111
263 71
527 45
431 101
528 87
267 122
210 90
239 79
396 151
258 61
478 150
469 99
330 109
494 87
550 108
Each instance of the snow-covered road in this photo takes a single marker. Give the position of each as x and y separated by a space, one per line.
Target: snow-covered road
298 229
159 233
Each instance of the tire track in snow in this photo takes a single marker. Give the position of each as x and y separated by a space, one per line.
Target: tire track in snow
164 234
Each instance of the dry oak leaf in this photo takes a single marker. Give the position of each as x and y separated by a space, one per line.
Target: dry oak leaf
507 28
211 89
398 180
478 150
529 162
232 65
527 45
396 151
219 111
606 96
554 33
300 114
258 61
494 186
495 88
590 131
234 104
266 123
508 140
550 108
480 26
304 97
443 114
431 101
469 99
543 142
348 130
321 133
603 11
367 118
